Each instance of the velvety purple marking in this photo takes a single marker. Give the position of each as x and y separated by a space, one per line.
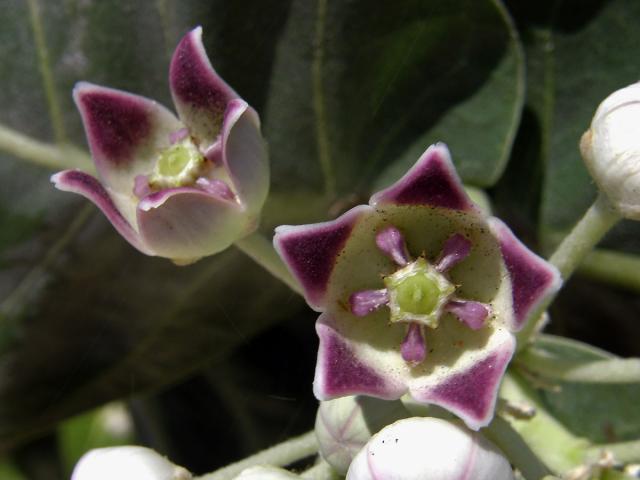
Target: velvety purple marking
472 314
312 252
473 392
413 347
391 242
178 135
531 277
344 374
430 182
455 249
115 124
193 80
368 301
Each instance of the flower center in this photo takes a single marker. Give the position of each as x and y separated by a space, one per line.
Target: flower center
417 293
177 166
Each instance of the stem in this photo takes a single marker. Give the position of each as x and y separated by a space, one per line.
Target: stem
55 112
320 471
554 444
598 220
516 449
625 452
258 248
617 268
279 455
56 157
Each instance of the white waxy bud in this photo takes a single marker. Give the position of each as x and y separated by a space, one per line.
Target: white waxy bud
345 425
266 473
419 448
127 463
611 149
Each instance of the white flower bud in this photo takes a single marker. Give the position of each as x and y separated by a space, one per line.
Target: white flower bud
127 463
345 425
611 149
266 473
419 448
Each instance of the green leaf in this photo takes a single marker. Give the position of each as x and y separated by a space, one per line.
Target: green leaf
585 400
578 55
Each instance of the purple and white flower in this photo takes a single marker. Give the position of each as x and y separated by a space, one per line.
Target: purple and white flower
180 188
419 291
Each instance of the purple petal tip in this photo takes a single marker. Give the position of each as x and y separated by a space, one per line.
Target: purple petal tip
311 251
532 278
432 181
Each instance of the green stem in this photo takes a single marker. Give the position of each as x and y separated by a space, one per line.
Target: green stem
556 446
55 112
617 268
598 220
258 248
279 455
516 449
625 452
320 471
55 157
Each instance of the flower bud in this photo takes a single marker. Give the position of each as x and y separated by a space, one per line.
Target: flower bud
266 473
127 463
418 448
611 149
345 425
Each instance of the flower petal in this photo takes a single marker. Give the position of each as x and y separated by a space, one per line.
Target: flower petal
124 132
187 223
199 94
89 187
532 278
311 251
392 244
367 301
455 249
244 153
340 371
471 393
472 314
432 181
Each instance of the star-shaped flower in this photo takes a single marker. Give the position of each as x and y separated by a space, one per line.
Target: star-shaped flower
420 292
180 188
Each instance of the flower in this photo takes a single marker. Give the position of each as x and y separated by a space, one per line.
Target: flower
127 463
611 149
417 448
419 292
176 188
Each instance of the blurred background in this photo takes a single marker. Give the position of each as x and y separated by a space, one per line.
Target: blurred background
101 345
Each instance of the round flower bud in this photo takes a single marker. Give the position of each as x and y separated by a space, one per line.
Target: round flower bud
611 149
127 463
345 425
418 448
266 473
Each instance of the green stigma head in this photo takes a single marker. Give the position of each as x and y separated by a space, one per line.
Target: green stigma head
177 166
417 293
